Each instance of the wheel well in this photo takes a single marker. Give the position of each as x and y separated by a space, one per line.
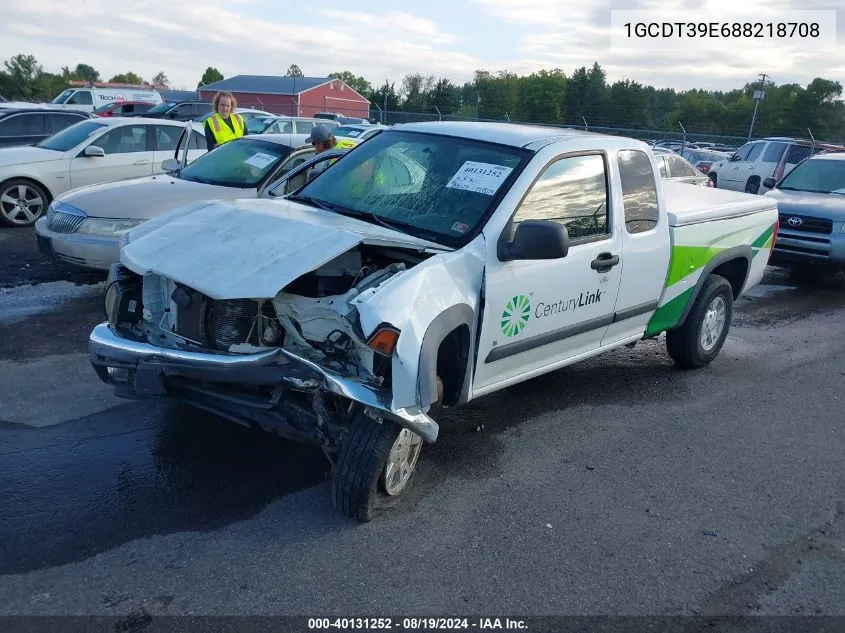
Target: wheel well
452 359
41 185
735 271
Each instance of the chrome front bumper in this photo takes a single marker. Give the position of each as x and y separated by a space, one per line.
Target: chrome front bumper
108 350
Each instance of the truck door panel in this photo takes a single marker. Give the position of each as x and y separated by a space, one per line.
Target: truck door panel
645 249
541 312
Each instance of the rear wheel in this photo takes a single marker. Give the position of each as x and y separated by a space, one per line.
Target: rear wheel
700 339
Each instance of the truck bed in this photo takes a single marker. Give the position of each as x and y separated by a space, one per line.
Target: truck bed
689 204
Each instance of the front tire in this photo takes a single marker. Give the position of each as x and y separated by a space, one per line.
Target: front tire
375 467
700 339
22 202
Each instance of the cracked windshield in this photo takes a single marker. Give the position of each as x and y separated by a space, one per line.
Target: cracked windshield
435 187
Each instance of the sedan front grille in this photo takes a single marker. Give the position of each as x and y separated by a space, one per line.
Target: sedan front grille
792 222
64 221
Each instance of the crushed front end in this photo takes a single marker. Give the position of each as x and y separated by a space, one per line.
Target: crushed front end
296 364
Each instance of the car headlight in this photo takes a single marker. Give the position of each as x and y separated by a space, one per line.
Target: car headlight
107 227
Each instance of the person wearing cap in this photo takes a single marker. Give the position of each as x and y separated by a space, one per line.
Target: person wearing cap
322 140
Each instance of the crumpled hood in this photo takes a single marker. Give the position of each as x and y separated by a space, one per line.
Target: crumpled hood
824 205
147 197
25 154
249 249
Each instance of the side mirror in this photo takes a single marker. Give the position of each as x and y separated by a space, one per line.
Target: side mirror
734 158
535 239
769 183
94 151
170 164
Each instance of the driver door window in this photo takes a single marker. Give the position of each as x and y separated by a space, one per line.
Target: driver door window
297 178
129 154
572 191
81 97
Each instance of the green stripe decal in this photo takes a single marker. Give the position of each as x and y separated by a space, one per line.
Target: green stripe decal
668 315
688 259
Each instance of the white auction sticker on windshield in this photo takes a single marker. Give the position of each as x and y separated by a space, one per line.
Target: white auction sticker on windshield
483 178
260 160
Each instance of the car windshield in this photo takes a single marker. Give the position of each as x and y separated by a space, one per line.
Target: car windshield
817 175
104 107
71 137
435 187
345 130
161 107
705 155
240 163
64 96
258 124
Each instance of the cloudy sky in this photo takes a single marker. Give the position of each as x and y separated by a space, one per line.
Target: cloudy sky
380 39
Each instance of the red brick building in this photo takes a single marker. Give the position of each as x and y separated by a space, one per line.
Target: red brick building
294 96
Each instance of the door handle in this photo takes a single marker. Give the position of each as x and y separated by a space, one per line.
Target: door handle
604 262
142 162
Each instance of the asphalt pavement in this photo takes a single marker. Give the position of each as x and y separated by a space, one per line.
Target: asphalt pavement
619 486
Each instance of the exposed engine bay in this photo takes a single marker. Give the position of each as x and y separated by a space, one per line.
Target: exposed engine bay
315 315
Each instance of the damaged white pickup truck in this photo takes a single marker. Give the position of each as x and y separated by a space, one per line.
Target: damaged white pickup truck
431 265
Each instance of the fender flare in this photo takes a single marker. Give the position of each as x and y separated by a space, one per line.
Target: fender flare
736 252
443 324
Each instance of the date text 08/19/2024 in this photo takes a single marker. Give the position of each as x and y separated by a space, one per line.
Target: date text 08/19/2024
415 623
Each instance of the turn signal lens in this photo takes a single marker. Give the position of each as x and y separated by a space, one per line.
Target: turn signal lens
384 340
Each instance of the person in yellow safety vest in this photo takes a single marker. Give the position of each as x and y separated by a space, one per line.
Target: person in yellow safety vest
224 124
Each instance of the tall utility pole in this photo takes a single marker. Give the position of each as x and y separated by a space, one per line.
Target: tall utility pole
759 95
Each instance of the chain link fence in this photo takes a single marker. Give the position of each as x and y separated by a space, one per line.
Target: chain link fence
391 117
684 134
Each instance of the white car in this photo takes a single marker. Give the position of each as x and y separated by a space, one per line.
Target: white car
357 132
749 167
84 226
432 265
89 152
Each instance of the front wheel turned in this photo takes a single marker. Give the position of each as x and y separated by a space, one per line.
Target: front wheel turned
375 467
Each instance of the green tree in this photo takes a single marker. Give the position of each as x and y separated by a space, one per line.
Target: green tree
356 82
127 78
48 86
446 96
210 76
160 79
23 71
574 101
415 92
540 96
82 72
294 71
385 97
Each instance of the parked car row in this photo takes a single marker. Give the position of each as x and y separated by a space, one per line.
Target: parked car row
92 151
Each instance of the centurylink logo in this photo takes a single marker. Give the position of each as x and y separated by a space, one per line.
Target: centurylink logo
516 315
